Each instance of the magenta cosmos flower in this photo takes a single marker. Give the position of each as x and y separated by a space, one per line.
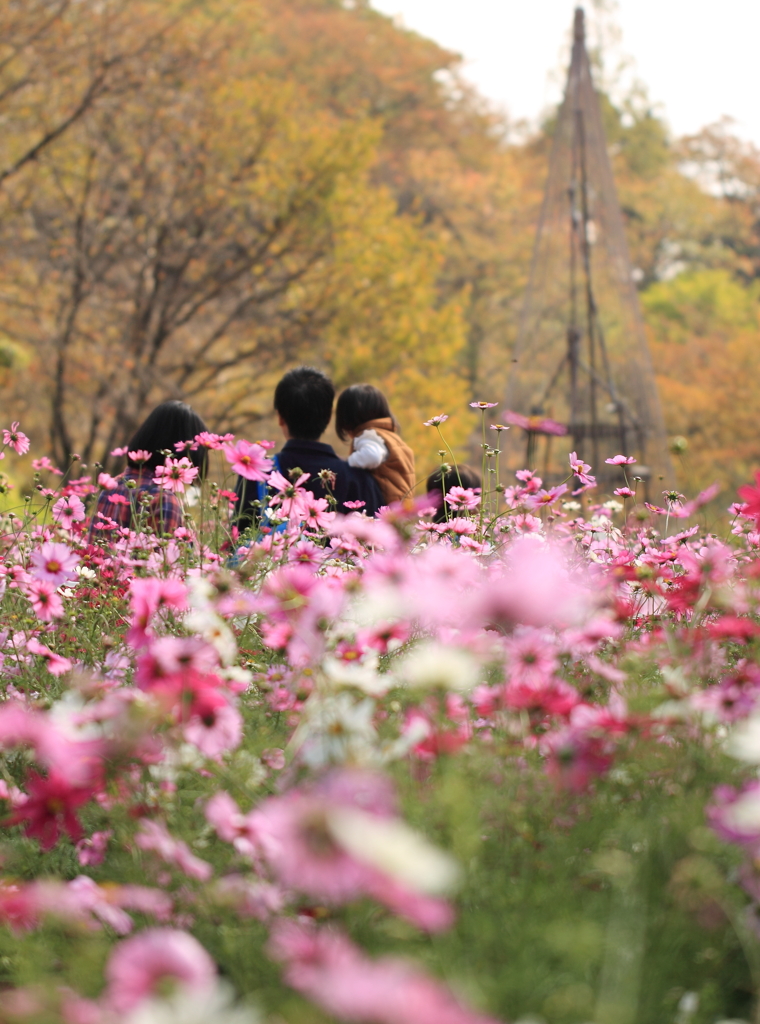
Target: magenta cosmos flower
16 440
175 474
620 460
49 808
54 563
248 460
141 967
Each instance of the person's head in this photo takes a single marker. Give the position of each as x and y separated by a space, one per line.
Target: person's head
358 405
439 485
168 425
303 400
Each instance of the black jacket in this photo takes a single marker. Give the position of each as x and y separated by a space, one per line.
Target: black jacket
311 457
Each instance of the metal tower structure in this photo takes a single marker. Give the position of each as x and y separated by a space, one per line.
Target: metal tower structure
581 356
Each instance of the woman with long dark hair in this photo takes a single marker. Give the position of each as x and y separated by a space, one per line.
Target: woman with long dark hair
151 482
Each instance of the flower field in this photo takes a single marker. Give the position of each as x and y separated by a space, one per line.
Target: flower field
498 767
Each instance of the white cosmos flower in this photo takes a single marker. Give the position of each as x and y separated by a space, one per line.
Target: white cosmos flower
744 741
431 665
381 604
193 1007
215 630
744 813
362 675
336 729
201 590
389 845
65 714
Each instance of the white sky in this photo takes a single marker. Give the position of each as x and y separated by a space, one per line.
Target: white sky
700 59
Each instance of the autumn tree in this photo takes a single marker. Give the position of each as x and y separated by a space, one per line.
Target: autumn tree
199 235
705 327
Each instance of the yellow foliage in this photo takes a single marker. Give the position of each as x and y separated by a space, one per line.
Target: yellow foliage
705 330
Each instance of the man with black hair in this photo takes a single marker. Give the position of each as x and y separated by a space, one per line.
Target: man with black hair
303 401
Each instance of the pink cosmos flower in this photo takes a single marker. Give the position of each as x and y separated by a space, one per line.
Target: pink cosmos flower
327 968
309 839
249 898
68 510
54 563
71 760
687 509
91 850
354 504
550 695
154 836
531 656
175 474
141 455
44 463
274 758
215 726
620 460
463 497
288 493
535 424
483 405
436 421
118 452
147 596
16 440
306 552
544 498
141 967
214 441
107 482
248 460
625 492
56 665
537 586
174 655
581 470
230 824
45 600
314 512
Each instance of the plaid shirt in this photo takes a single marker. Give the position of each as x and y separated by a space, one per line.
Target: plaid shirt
164 511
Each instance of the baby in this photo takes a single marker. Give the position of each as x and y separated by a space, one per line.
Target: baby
363 414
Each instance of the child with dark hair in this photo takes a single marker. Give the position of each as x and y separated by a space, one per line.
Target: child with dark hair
303 401
172 427
439 484
363 415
